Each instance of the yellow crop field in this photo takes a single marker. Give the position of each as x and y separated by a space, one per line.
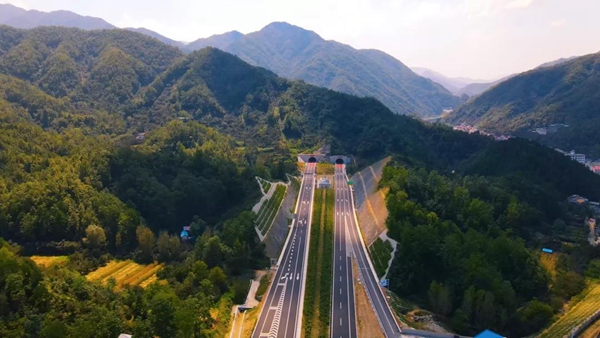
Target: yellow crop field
126 273
47 261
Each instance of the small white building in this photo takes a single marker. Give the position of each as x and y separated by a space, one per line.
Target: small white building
323 183
577 157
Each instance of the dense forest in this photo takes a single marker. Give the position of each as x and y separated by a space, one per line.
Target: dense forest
110 142
465 250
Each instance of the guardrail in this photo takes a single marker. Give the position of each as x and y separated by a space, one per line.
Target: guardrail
577 330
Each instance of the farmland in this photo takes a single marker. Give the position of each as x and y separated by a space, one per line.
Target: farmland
320 264
576 315
47 261
269 208
126 273
381 252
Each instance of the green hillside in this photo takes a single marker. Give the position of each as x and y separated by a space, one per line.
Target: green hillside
295 53
110 142
566 93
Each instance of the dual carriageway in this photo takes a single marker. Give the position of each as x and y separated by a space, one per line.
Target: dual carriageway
281 315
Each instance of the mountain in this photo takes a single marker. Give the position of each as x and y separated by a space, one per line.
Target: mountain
20 18
556 62
473 89
293 52
221 41
78 64
453 84
110 137
565 93
162 38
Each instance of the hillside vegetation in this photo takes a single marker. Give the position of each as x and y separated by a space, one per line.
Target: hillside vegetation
565 93
112 141
293 52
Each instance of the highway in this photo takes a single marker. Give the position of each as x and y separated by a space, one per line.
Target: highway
281 315
343 312
350 233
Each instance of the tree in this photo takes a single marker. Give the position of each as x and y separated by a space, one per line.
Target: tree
568 284
95 238
146 240
593 269
162 314
218 278
169 247
440 299
213 252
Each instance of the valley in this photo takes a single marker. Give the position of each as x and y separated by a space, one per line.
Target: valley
279 184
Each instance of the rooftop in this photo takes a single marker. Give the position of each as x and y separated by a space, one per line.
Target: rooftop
488 334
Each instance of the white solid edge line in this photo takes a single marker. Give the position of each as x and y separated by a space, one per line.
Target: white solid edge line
303 286
369 258
281 254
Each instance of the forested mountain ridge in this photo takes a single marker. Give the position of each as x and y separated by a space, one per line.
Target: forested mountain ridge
565 93
78 65
293 52
21 18
141 139
156 35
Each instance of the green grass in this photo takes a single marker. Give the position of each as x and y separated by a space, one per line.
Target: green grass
312 270
263 286
317 297
380 253
266 185
269 209
325 169
295 183
576 315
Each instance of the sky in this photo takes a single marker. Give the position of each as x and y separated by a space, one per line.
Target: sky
479 39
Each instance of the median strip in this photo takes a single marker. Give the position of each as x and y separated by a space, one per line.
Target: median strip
317 299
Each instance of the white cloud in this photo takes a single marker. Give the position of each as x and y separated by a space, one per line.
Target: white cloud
559 23
519 4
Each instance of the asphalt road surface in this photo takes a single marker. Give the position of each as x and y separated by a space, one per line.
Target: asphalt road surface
356 246
343 312
281 315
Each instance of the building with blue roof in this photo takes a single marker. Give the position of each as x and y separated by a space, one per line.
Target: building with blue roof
488 334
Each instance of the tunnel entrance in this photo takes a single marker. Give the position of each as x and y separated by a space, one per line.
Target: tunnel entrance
339 161
312 160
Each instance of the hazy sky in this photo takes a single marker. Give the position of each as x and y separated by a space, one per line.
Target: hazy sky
473 38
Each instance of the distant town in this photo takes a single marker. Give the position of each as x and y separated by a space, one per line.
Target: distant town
473 130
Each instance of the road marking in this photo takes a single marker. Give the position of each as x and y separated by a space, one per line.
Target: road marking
340 305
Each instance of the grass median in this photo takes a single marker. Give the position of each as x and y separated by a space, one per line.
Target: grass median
317 296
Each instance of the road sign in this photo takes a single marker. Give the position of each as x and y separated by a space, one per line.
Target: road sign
385 282
350 182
